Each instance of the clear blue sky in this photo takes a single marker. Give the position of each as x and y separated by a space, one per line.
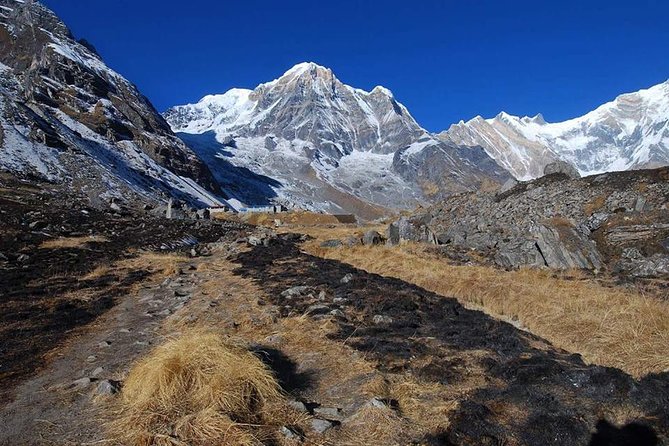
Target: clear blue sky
445 60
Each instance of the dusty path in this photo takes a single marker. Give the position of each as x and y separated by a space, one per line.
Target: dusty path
57 406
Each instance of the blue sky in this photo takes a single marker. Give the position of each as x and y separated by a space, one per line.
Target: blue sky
445 60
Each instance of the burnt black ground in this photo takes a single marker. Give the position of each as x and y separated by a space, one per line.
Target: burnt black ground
534 394
41 295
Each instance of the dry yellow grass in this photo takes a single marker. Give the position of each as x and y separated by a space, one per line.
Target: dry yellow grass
198 389
607 325
71 242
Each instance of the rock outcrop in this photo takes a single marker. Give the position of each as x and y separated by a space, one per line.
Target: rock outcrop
618 221
562 167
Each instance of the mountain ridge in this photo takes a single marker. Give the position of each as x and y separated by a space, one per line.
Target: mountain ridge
629 132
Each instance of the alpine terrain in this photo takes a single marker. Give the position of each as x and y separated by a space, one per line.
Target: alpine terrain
67 117
631 132
309 140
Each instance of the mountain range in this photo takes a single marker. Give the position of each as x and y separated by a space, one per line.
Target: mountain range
331 147
305 140
630 132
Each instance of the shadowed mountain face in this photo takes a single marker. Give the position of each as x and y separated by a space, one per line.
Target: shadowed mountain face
67 117
331 146
631 132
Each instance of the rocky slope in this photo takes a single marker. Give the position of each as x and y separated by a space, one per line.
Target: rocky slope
616 221
631 132
67 117
327 145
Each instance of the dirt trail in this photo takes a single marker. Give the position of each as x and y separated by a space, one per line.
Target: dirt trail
57 406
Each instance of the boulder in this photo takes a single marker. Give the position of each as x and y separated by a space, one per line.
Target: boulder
508 185
410 229
333 243
519 253
321 426
566 248
371 238
562 167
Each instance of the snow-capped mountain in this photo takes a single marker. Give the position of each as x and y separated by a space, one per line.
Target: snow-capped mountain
631 132
67 117
327 145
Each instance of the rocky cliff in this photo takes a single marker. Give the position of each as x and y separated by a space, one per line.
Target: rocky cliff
68 117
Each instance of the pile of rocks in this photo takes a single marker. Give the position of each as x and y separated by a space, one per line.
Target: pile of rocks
558 221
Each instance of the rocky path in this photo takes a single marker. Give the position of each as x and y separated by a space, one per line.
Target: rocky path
65 402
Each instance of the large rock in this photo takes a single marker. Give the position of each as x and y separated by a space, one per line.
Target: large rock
562 167
372 238
406 229
565 248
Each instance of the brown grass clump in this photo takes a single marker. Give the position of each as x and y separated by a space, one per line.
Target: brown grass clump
609 326
595 204
71 242
198 389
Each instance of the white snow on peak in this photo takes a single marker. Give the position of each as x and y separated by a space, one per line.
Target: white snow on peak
303 67
382 90
622 134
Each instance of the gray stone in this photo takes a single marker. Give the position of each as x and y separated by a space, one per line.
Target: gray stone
104 344
329 413
296 291
290 434
95 373
596 220
347 278
298 405
333 243
254 241
377 403
317 309
566 249
382 319
371 238
351 241
321 426
80 383
23 258
338 313
519 253
108 387
406 229
274 339
562 167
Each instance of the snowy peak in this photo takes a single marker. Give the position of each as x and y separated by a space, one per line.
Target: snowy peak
308 103
327 146
630 132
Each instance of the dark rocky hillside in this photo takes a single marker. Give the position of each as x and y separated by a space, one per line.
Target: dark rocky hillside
614 221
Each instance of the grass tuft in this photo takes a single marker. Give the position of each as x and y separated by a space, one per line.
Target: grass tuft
198 389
